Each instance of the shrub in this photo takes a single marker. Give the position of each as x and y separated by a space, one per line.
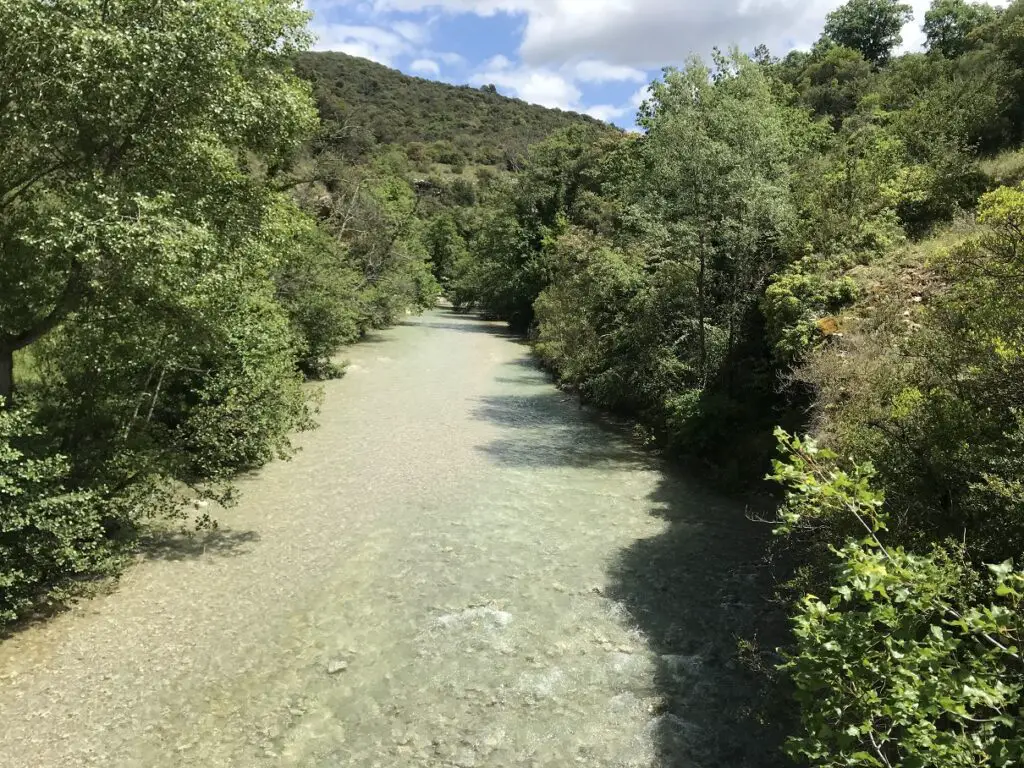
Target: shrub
913 660
318 288
795 304
49 532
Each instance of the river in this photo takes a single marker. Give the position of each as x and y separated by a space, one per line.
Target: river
461 567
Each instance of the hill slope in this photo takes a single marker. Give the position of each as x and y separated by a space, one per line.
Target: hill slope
448 124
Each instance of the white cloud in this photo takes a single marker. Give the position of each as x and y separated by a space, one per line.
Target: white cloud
426 67
374 43
593 71
640 97
449 58
539 86
651 33
498 62
607 112
418 34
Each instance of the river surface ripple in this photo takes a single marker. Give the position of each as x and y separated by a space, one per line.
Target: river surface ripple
460 568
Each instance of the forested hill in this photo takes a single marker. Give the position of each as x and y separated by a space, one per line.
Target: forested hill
450 124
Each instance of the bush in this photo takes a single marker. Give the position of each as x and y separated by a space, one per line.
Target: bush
49 532
1005 169
913 660
797 306
319 289
240 413
579 314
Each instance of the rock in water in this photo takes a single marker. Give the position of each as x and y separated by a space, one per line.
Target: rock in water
337 667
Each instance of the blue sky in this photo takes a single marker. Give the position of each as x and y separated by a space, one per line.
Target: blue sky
593 56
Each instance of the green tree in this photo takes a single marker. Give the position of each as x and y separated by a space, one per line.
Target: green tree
948 25
317 284
108 105
834 82
446 248
872 27
558 187
718 156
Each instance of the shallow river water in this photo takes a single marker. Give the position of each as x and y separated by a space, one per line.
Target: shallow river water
460 568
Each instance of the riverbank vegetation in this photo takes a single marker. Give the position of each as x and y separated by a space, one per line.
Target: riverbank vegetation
195 216
165 292
831 243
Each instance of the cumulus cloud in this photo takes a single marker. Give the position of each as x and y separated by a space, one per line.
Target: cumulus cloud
651 33
539 86
499 62
640 97
593 71
374 43
426 67
452 59
418 34
607 112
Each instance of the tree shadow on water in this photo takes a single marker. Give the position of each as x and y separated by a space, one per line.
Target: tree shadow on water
695 591
547 428
176 546
449 320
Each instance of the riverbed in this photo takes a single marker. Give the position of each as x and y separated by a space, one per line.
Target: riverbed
460 567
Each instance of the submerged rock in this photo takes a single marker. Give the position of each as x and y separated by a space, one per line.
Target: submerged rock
336 667
475 615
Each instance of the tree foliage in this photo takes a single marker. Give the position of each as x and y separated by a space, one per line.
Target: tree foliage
180 87
818 241
950 25
913 659
873 27
163 292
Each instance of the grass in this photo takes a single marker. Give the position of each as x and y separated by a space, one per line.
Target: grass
1005 169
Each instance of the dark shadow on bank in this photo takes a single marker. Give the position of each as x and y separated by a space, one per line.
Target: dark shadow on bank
526 379
373 337
695 590
169 545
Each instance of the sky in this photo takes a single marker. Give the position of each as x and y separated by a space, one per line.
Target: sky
592 56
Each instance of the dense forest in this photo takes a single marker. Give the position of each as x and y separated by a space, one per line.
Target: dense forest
827 244
808 267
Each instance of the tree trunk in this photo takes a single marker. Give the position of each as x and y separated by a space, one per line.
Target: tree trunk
702 333
6 374
9 343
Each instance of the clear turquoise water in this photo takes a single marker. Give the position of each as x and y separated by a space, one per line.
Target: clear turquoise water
508 580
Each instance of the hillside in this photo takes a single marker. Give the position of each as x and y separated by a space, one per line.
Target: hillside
455 125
